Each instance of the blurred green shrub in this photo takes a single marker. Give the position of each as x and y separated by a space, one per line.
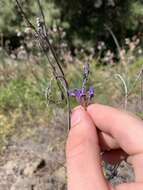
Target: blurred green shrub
87 19
20 94
11 20
23 85
83 21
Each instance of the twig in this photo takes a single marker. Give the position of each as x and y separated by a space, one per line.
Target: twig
136 80
125 89
118 47
41 10
47 40
44 42
25 16
66 87
114 38
139 75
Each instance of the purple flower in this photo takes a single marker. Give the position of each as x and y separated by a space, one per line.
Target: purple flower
81 93
82 96
91 92
77 93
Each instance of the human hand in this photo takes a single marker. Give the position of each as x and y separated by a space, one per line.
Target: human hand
118 132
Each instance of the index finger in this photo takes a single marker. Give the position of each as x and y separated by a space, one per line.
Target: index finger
126 129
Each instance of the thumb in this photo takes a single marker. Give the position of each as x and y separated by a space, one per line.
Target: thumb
83 154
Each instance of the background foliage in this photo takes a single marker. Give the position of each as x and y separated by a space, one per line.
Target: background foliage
78 31
125 18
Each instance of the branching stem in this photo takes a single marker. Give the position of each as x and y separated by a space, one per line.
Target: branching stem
125 89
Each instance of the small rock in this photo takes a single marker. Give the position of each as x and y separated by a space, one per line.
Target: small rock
60 175
22 184
126 172
34 167
10 166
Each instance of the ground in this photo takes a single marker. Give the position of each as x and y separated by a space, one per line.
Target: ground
34 159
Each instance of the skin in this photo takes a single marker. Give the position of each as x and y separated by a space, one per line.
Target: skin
103 128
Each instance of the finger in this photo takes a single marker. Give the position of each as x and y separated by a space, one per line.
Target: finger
129 186
107 142
127 130
83 154
137 163
114 156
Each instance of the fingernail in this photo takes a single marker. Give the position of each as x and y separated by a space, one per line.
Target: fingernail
77 114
